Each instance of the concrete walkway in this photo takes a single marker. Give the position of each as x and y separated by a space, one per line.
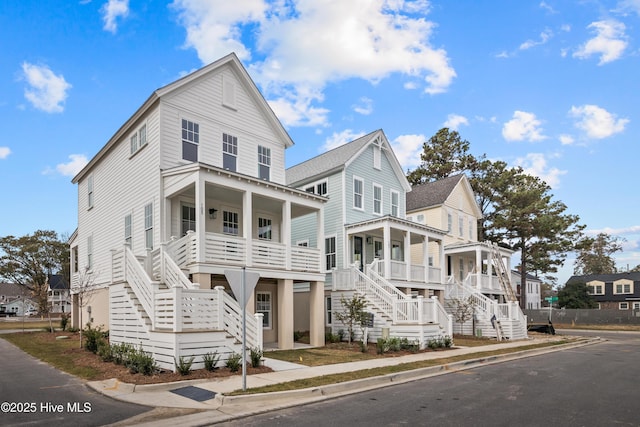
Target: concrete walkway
209 395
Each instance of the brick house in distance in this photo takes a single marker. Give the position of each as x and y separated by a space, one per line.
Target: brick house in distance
618 291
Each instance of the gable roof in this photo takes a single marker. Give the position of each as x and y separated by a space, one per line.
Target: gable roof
436 193
232 60
12 289
57 282
338 158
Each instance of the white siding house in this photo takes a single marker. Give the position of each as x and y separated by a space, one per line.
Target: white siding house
367 239
191 186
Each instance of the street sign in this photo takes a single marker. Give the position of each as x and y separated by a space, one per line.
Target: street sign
234 277
551 299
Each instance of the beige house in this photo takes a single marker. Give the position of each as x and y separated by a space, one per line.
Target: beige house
473 268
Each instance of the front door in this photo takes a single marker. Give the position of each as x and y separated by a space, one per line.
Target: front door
188 217
357 252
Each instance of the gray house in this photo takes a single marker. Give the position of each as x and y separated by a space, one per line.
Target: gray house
368 240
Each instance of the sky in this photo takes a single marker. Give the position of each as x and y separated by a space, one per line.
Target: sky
551 86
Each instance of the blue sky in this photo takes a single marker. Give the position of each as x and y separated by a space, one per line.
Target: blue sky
547 85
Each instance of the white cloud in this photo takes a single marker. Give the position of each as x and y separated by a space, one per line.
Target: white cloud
566 139
536 164
407 149
71 168
4 152
634 229
365 107
547 7
544 37
111 11
610 42
310 43
454 121
597 122
628 5
338 139
523 126
46 91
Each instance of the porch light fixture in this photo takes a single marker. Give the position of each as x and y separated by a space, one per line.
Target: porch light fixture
213 213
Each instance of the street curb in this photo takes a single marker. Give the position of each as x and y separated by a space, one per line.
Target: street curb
363 384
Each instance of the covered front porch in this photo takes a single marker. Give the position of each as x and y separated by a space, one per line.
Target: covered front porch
473 265
386 245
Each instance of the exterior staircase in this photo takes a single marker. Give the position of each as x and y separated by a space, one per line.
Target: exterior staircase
395 313
155 306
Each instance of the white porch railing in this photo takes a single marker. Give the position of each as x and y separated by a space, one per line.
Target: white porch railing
399 271
221 248
305 259
269 254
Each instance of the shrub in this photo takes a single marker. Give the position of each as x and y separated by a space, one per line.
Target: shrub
331 338
297 335
234 361
139 361
256 356
447 341
341 335
211 360
105 351
382 345
120 353
93 337
183 365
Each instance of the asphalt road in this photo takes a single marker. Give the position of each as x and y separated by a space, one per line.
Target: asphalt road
33 393
596 385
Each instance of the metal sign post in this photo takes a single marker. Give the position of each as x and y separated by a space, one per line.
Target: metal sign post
243 283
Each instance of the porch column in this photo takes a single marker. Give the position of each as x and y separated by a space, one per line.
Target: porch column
247 226
425 257
386 232
478 265
443 261
320 244
489 266
200 218
316 314
285 314
407 254
286 232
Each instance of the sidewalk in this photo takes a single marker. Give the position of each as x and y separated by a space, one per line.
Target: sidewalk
209 395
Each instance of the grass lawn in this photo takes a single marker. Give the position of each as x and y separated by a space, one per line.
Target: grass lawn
12 323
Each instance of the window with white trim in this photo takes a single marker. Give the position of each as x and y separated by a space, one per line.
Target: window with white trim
461 226
470 229
230 223
127 231
89 252
623 306
148 226
395 202
264 228
190 140
595 288
636 305
622 288
449 222
420 219
377 199
319 188
133 142
264 163
358 187
90 191
142 136
330 252
229 152
263 305
188 218
328 317
74 258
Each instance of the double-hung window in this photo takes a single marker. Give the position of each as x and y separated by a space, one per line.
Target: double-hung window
264 162
134 142
377 199
449 223
330 252
90 191
148 226
190 140
89 252
127 230
395 202
229 152
263 305
622 288
230 223
138 139
358 187
188 218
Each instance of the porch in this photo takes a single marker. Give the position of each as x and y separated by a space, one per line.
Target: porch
406 254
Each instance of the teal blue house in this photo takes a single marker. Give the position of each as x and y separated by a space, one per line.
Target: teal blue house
368 240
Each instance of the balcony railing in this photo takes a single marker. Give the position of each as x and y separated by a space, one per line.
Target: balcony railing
399 271
234 250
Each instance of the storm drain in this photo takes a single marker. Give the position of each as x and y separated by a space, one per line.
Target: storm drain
194 393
